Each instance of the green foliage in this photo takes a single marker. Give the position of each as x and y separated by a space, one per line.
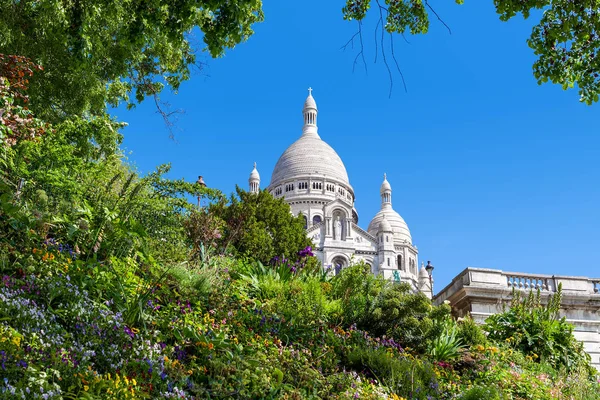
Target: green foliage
566 41
470 332
94 53
408 378
358 290
447 346
536 330
260 226
408 317
481 393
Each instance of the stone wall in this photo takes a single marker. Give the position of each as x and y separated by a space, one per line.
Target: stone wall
482 292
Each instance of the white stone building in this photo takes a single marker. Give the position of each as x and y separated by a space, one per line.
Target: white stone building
312 179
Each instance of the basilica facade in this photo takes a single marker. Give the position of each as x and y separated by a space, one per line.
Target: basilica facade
312 179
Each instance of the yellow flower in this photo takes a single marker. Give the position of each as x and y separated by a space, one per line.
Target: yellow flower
86 388
134 382
480 347
16 340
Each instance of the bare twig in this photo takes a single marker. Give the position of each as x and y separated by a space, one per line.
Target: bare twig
169 117
381 9
350 42
438 17
379 21
396 61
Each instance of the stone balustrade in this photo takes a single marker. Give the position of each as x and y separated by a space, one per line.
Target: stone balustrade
483 292
522 281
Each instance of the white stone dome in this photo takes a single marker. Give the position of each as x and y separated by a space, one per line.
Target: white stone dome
384 225
309 155
399 227
254 175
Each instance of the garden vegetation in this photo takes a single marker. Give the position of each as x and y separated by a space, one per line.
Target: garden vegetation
118 286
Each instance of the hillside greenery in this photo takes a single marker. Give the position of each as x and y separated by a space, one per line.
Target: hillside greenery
116 285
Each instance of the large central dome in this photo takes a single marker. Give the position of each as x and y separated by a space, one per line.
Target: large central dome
309 155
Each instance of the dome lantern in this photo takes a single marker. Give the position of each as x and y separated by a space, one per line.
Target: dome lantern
310 116
386 193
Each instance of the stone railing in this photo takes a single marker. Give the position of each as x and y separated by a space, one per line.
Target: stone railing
499 280
525 281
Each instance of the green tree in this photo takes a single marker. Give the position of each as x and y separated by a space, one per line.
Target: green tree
96 52
68 182
260 226
566 40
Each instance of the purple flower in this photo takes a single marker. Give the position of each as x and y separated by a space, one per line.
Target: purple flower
129 331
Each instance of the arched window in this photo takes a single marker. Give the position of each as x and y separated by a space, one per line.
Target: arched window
400 265
338 264
305 221
316 219
388 261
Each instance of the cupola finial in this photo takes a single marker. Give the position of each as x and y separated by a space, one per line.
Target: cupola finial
310 116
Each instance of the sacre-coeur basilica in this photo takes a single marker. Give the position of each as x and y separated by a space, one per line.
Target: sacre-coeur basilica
312 179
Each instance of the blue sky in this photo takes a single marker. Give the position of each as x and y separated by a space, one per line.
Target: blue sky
487 168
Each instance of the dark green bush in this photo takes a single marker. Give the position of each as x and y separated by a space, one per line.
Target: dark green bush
470 332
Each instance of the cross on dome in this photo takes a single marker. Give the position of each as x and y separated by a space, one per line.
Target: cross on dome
310 91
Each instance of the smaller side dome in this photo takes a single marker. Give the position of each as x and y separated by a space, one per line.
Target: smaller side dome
423 274
254 175
254 181
385 226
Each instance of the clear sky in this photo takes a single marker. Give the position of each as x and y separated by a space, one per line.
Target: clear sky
487 168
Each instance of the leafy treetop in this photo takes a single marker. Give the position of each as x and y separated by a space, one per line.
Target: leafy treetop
96 52
259 226
566 40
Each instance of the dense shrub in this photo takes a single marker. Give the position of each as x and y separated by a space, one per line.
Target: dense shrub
537 331
406 377
481 393
470 332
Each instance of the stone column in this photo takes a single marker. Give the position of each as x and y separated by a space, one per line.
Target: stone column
348 229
